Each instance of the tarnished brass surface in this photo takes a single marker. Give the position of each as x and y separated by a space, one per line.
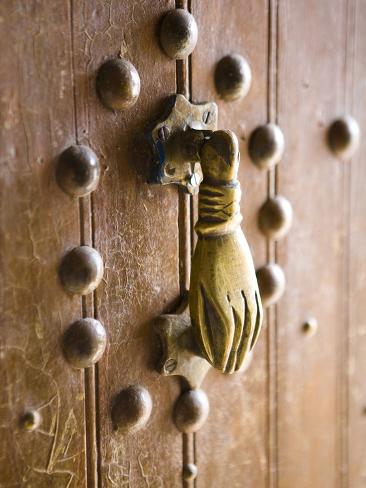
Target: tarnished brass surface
272 283
81 270
191 411
84 342
180 354
30 420
266 146
190 472
233 77
178 33
224 301
275 217
344 136
176 140
78 171
118 84
131 409
310 326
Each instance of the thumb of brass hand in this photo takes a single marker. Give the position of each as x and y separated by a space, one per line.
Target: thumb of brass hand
224 300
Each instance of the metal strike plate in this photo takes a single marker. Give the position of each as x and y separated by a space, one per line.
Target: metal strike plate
180 354
176 140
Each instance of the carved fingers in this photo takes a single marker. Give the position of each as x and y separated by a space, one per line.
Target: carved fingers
224 300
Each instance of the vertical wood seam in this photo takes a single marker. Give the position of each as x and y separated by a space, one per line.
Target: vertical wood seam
85 237
341 409
95 372
276 184
271 254
344 359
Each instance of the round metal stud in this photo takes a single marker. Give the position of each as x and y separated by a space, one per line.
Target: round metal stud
81 270
78 171
271 282
84 342
310 326
233 77
344 136
118 84
131 409
266 146
31 420
191 411
275 217
190 472
178 33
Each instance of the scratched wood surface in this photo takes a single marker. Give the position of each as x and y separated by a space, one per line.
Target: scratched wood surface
357 255
135 229
231 448
38 224
311 75
296 417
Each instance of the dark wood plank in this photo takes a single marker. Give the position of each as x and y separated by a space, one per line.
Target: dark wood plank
136 231
231 448
357 253
312 40
38 224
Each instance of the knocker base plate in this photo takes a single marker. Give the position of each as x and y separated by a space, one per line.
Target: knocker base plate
180 355
176 139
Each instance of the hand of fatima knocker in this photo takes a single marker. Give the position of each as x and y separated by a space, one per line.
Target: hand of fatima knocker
224 300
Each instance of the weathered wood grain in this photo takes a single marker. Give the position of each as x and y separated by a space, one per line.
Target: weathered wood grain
38 223
311 76
135 229
307 60
231 448
357 255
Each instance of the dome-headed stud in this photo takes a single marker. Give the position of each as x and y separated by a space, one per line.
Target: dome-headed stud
131 409
266 146
190 472
275 217
310 326
78 171
81 270
344 136
178 33
191 411
118 84
233 77
271 282
30 420
84 342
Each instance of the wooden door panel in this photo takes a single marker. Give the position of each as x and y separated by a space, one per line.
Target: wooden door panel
135 227
231 448
356 233
296 416
39 223
311 89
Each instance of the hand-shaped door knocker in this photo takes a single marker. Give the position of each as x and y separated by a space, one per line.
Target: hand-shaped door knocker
221 322
224 300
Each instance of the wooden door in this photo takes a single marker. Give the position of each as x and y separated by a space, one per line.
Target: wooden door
296 416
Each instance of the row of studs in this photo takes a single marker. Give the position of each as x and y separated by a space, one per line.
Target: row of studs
266 147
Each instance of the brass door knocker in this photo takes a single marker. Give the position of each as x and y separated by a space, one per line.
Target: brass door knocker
220 322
